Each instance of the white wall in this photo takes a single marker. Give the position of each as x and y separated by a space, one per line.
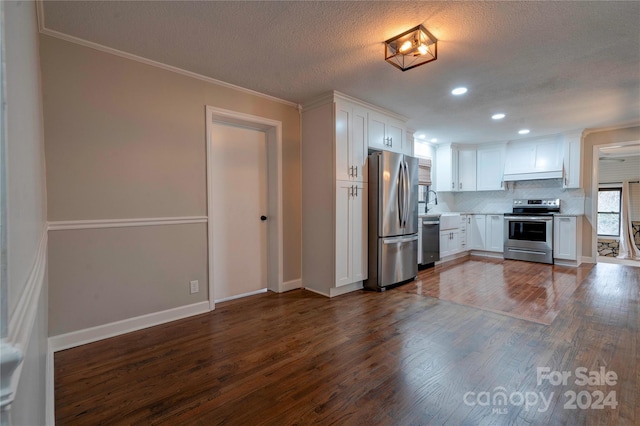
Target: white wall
126 140
26 208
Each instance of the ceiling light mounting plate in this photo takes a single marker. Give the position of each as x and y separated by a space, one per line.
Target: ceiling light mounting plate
411 49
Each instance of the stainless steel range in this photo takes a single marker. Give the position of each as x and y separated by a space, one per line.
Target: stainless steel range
528 230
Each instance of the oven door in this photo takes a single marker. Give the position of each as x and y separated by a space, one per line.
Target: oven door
528 232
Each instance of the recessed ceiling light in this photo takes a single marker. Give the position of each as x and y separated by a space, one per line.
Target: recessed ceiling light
523 131
422 136
459 91
434 140
499 116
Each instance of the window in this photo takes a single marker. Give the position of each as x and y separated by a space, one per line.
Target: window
609 212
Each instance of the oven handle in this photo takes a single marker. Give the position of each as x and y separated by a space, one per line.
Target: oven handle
535 218
527 251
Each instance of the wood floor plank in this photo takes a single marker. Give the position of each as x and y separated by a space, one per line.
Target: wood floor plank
393 358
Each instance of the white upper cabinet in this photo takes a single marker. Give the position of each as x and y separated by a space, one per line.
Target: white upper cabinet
572 160
351 142
534 159
446 169
455 168
490 167
466 169
387 133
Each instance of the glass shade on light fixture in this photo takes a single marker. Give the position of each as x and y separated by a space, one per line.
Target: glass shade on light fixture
411 49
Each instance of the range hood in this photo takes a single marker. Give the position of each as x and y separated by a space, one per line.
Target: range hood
554 174
533 160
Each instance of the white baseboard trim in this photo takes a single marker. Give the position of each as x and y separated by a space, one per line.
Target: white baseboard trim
563 262
588 259
317 292
452 257
291 285
333 292
50 415
93 334
124 223
339 291
239 296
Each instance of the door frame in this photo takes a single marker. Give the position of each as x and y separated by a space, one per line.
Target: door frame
273 132
595 186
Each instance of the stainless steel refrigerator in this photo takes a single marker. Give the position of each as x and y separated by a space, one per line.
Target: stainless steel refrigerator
393 219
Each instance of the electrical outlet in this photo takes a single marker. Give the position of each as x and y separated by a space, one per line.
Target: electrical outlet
194 286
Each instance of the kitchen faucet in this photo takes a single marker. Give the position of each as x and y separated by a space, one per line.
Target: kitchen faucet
426 205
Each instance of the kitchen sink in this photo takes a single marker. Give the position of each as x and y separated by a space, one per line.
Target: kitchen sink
449 221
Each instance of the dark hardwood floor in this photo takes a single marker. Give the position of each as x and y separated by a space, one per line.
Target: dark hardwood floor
391 358
520 289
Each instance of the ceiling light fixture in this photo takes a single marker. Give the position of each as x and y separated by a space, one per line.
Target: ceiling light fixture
459 91
523 131
422 136
410 49
433 140
499 116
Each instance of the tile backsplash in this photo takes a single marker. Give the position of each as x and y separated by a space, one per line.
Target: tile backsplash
571 200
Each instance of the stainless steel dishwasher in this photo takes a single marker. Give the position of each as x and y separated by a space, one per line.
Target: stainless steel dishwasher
430 239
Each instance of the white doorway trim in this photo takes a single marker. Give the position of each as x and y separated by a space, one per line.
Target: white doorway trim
595 186
273 132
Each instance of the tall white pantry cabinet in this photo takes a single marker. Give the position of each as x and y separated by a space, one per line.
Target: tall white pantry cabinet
334 196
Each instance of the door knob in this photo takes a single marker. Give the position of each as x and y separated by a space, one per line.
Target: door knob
263 218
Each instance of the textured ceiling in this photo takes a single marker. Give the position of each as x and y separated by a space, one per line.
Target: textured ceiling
550 66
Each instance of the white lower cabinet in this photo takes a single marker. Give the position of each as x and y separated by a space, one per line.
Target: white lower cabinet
566 237
494 233
464 239
449 242
486 232
476 231
351 232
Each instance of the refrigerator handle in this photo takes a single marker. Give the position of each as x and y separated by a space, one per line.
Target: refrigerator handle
406 193
400 191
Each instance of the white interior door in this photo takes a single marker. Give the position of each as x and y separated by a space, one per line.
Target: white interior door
239 195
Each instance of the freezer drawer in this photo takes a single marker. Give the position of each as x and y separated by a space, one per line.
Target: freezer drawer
398 259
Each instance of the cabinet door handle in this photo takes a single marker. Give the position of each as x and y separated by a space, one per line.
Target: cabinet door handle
565 219
453 185
356 188
356 171
390 141
351 191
